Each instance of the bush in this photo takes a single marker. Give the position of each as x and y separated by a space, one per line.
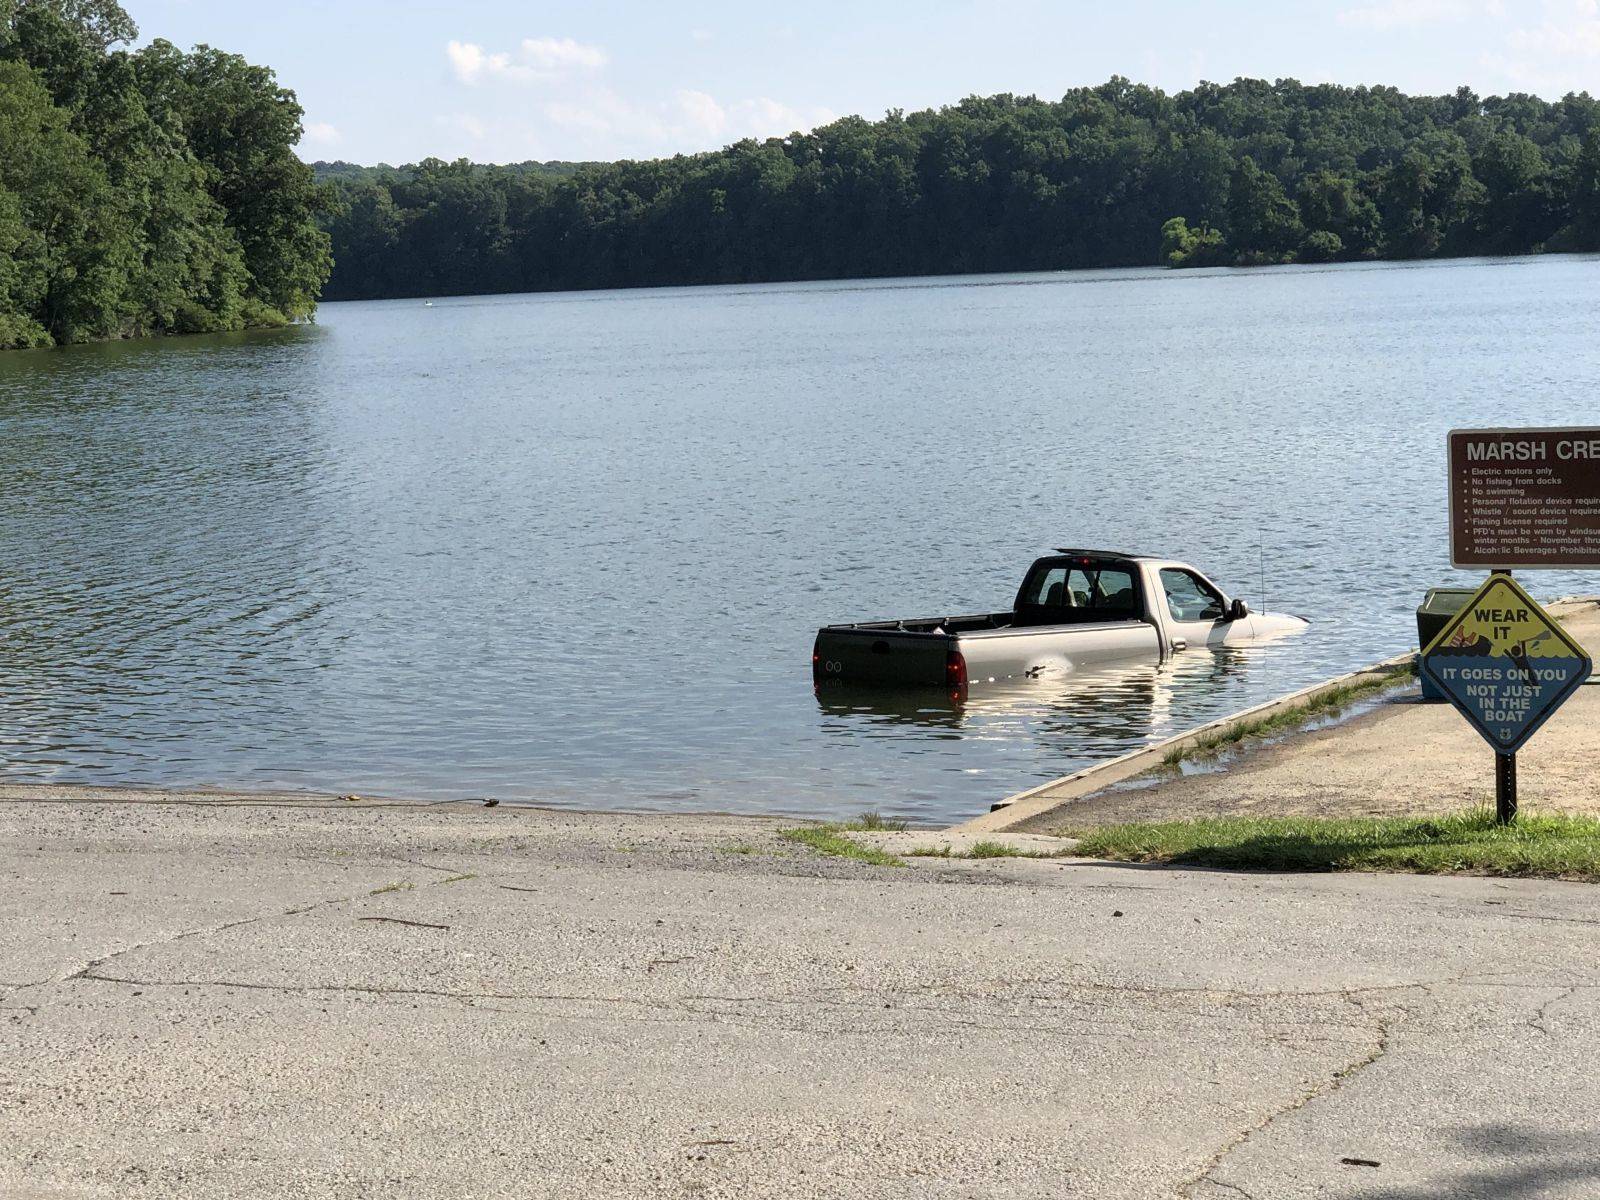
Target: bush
1185 247
1321 246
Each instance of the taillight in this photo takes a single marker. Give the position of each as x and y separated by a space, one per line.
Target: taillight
955 675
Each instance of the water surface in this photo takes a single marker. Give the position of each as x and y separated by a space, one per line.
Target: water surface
573 548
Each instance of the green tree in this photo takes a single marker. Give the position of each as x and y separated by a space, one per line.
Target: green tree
1335 204
1517 211
242 126
1263 223
100 24
147 193
21 280
64 230
1185 247
1580 193
1321 245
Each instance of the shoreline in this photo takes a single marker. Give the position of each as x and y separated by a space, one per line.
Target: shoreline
1155 269
209 797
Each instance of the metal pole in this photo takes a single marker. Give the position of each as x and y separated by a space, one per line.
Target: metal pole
1505 771
1505 788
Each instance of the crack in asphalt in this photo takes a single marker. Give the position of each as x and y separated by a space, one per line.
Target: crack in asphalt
362 988
89 969
1516 916
93 963
1327 1087
426 866
1537 1021
758 1012
1222 994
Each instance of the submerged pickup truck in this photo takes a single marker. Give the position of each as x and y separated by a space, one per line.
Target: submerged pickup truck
1075 609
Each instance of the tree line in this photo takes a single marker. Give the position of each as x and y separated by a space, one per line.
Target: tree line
1120 174
145 192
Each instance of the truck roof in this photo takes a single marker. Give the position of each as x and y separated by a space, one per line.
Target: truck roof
1104 553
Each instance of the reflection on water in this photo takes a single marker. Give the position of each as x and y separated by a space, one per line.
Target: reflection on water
574 548
1092 714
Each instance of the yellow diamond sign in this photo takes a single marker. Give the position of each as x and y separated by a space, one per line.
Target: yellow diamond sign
1505 663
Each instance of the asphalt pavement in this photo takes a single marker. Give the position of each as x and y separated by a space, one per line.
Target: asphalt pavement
208 998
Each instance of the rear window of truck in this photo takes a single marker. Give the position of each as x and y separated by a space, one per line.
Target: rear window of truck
1107 589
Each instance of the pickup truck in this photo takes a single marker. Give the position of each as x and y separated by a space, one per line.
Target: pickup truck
1075 609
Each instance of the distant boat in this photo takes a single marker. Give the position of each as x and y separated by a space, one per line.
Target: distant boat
427 304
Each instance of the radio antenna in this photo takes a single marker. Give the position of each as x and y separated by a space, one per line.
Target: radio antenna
1261 545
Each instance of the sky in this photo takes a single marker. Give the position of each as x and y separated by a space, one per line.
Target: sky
497 81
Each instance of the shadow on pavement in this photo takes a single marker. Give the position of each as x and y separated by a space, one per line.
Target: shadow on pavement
1557 1165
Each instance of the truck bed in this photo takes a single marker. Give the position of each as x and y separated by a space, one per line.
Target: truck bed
939 651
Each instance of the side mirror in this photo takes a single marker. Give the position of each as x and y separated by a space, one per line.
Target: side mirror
1238 610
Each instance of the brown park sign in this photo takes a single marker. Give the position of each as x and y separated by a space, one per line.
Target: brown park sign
1525 498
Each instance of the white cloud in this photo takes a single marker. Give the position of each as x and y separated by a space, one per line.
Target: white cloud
765 117
562 54
1393 14
602 114
1555 52
576 114
701 111
468 60
1571 29
690 121
536 60
320 133
700 35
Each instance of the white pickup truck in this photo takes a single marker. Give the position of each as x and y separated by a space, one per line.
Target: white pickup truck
1075 609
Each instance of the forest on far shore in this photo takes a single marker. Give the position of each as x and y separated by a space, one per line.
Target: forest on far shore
1121 174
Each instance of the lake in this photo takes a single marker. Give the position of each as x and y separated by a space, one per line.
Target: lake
573 548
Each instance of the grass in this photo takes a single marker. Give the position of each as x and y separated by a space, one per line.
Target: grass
391 887
989 850
875 821
992 850
1327 704
1467 843
830 839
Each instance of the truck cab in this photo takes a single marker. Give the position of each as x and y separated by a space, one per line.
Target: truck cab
1076 587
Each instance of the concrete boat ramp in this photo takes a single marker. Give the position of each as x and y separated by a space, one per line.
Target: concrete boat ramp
205 995
1398 755
308 999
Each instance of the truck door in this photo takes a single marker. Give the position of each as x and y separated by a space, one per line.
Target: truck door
1196 612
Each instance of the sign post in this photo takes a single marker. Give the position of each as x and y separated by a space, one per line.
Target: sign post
1526 499
1505 788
